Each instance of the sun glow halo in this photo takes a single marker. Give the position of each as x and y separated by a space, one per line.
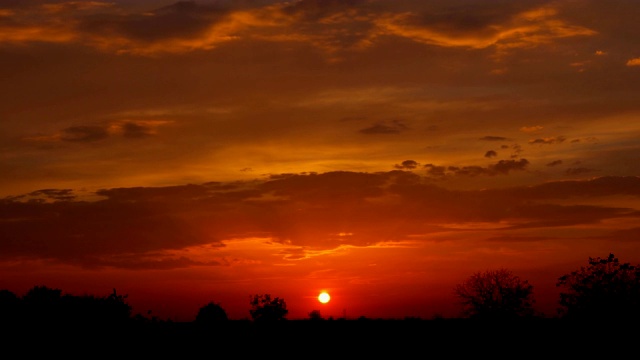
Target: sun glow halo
324 297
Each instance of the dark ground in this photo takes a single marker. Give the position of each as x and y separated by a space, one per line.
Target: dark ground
397 339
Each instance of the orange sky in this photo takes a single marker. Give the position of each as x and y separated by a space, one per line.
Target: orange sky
383 151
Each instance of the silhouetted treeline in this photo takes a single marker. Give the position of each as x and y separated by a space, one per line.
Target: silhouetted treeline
44 305
605 289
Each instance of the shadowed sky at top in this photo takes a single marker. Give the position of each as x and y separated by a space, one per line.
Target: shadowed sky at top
224 148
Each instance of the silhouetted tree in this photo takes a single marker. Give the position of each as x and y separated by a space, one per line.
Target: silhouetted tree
495 294
108 309
45 305
42 304
211 313
264 308
315 315
605 289
10 307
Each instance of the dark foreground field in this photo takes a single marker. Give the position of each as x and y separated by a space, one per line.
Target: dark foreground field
398 339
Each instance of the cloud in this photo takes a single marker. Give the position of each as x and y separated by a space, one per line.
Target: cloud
45 195
393 127
515 150
589 139
436 170
502 167
84 133
505 166
505 28
596 187
35 21
490 154
493 138
334 27
548 140
166 227
633 62
578 171
136 130
92 133
531 129
512 239
555 163
407 165
183 26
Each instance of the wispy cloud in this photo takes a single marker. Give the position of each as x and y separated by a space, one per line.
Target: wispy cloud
93 133
512 29
493 138
390 127
548 140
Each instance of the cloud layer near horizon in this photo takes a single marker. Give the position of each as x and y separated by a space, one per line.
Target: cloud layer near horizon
146 227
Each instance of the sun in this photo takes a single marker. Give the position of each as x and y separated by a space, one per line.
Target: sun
324 297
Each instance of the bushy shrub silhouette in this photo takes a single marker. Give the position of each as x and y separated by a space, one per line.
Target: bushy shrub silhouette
211 313
265 308
495 294
315 315
604 289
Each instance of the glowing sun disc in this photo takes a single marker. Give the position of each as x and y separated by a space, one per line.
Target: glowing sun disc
324 297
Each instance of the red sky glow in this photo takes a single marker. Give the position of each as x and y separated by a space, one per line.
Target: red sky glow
383 151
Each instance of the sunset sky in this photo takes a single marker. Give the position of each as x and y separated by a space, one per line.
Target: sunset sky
383 151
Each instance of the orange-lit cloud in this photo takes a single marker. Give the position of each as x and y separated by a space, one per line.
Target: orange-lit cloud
633 62
520 29
331 26
530 129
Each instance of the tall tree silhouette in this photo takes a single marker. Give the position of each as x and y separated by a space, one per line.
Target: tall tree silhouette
495 294
265 308
605 289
